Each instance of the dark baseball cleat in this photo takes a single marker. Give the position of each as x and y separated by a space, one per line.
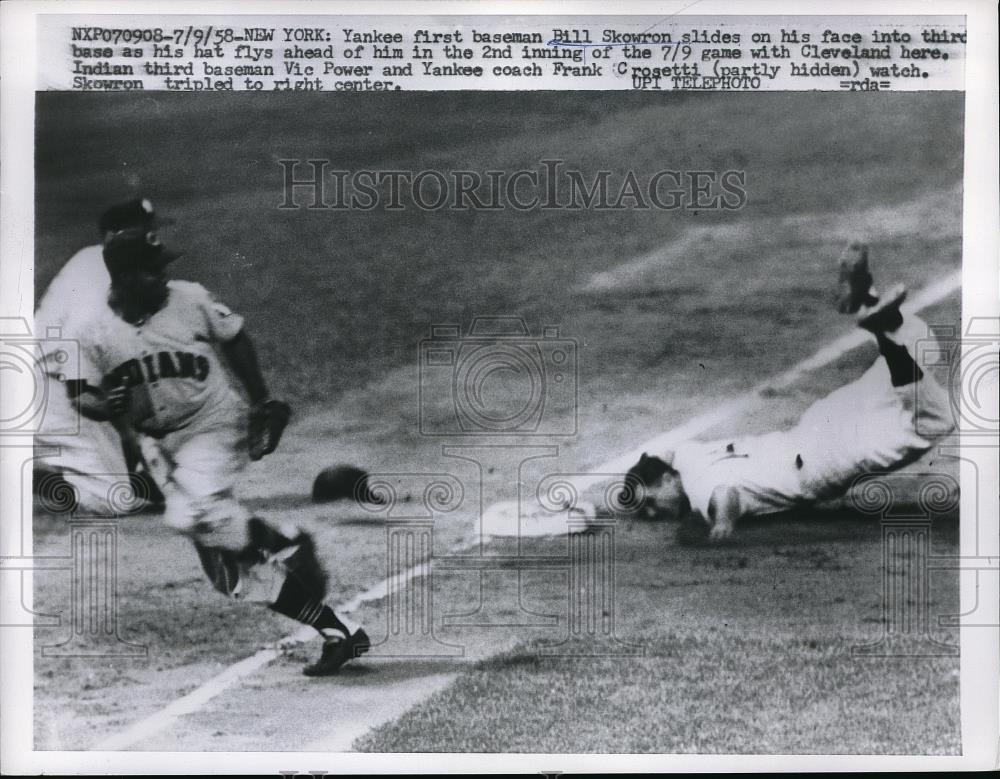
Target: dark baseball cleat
338 651
885 315
855 280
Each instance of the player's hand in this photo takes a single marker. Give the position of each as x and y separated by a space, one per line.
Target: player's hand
267 422
723 511
720 531
102 405
116 401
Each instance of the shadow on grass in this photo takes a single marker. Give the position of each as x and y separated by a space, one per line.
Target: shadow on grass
808 527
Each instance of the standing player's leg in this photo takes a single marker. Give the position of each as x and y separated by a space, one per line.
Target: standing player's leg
140 473
246 557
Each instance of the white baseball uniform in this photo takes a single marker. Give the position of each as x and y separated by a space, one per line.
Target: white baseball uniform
181 394
866 426
91 460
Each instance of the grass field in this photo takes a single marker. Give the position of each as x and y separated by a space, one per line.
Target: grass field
746 648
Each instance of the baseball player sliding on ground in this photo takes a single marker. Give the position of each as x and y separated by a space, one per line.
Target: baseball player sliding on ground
154 359
886 419
94 459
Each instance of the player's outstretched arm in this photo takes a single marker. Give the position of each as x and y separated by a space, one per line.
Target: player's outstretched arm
723 510
268 418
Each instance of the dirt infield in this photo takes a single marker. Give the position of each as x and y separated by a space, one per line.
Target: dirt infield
744 648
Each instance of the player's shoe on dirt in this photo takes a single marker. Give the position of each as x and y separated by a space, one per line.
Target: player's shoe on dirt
337 651
855 288
884 316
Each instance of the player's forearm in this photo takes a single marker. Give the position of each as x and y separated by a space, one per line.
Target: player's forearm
242 359
724 510
131 449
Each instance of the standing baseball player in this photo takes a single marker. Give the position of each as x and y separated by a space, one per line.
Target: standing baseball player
95 458
158 358
886 419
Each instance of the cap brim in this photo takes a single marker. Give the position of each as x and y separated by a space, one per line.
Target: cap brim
168 255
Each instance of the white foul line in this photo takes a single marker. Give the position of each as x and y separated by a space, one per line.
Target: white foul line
194 700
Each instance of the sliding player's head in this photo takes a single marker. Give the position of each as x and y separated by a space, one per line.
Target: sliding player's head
656 489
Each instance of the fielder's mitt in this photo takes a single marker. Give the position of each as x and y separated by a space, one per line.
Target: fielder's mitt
267 422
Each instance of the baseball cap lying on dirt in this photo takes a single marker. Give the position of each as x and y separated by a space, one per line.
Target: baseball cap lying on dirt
340 482
136 247
132 213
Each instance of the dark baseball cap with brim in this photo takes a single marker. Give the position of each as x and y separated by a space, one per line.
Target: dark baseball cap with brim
131 213
134 248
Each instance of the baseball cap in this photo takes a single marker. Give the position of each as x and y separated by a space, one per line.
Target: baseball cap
132 213
135 247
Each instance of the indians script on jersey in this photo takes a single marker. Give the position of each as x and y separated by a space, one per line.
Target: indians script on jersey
162 365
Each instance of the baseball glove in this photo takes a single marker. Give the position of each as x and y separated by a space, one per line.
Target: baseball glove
268 420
